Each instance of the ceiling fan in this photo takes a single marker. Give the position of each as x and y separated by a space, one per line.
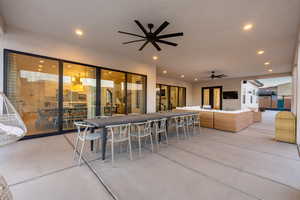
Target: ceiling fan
213 76
152 37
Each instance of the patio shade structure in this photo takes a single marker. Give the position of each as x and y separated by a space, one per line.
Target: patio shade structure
12 127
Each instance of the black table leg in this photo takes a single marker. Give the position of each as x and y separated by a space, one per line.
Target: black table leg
104 140
92 145
92 141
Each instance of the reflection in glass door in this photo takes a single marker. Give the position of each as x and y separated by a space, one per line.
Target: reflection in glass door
164 98
173 97
182 97
32 87
112 92
79 93
158 91
136 85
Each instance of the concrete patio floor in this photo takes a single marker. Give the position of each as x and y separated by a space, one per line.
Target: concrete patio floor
211 165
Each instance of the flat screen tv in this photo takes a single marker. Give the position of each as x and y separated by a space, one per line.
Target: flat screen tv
230 95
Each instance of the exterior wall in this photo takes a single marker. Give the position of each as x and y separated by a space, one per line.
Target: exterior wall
228 85
175 82
19 40
250 91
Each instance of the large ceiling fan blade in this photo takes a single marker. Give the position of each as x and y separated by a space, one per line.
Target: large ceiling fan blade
143 46
161 28
133 41
166 42
169 35
156 45
141 27
131 34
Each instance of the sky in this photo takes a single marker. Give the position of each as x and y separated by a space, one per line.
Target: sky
270 82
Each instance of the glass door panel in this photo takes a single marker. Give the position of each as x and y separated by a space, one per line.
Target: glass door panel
157 97
206 97
136 87
32 87
182 97
79 93
173 97
217 98
112 93
164 102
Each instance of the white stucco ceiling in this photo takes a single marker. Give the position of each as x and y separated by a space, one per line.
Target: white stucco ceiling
213 36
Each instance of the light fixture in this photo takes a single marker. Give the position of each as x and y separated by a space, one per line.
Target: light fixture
41 61
69 66
260 52
40 66
164 72
154 57
182 76
195 79
270 70
247 27
266 63
39 69
79 32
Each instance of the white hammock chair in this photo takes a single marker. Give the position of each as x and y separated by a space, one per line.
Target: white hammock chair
12 127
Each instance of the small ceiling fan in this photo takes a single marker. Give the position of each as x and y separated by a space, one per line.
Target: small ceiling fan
213 76
152 37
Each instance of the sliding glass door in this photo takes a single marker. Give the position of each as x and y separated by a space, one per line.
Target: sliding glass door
112 92
164 98
32 87
182 97
174 97
51 94
169 97
136 88
79 93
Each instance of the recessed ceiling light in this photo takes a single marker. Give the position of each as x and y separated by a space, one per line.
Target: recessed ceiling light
39 69
154 57
195 79
182 76
270 70
69 66
40 66
41 61
248 27
266 63
79 32
259 52
165 71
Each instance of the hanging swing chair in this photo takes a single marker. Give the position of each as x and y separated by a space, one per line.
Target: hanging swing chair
12 127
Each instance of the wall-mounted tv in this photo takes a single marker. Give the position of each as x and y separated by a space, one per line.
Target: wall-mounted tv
230 95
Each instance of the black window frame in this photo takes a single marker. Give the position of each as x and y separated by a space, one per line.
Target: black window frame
99 69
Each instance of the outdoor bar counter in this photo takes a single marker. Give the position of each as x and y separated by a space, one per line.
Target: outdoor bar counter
232 121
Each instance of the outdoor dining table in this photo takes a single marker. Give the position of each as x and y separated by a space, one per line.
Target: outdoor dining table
117 120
